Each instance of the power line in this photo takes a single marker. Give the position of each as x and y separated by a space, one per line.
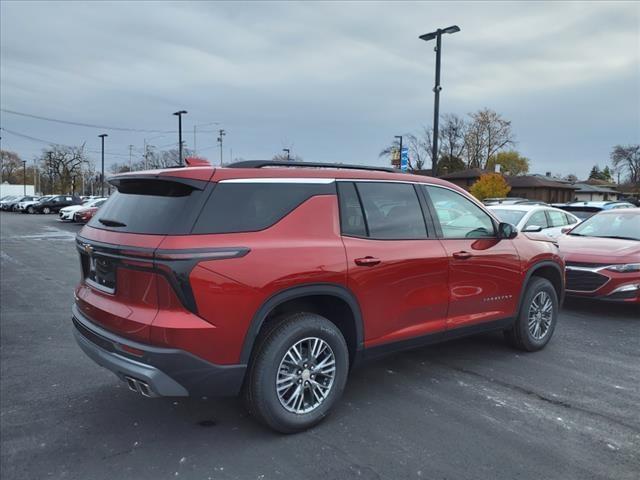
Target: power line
80 124
47 142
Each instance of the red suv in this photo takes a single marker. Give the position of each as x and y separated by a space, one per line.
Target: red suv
274 280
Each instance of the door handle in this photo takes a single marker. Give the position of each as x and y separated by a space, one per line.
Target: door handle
367 261
462 255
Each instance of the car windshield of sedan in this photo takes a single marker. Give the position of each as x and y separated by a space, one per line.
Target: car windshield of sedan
508 216
623 225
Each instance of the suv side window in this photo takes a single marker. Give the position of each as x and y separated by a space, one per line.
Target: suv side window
459 217
539 219
557 219
392 211
251 207
351 216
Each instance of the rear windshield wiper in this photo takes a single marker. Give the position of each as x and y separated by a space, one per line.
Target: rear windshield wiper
111 223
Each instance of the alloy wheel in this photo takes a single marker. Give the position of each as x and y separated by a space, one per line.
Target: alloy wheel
540 315
306 375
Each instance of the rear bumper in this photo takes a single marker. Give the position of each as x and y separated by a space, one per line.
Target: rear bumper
167 372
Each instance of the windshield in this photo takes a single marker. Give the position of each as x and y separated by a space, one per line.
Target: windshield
508 216
610 225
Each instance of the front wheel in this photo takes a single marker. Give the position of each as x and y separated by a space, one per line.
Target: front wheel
298 372
537 317
46 210
30 210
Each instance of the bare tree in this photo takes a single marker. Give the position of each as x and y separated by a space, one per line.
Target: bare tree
626 158
282 157
419 149
487 134
11 164
452 136
62 167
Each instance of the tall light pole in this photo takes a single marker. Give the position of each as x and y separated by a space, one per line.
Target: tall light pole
288 153
102 136
437 35
179 115
24 177
221 133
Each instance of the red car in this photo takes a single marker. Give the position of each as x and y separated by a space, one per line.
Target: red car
602 256
273 282
85 214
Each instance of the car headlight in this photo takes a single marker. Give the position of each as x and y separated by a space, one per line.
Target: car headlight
625 268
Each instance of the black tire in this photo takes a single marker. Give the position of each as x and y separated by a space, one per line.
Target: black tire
520 335
46 210
259 389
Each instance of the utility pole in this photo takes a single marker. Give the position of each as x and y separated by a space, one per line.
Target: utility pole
102 135
221 133
35 178
437 35
50 171
24 177
130 153
179 115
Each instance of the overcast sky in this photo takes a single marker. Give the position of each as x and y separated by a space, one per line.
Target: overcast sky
335 81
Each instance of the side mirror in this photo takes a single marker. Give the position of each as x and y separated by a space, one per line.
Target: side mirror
566 229
532 228
507 231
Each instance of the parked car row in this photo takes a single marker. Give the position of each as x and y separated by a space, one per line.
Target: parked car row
69 207
10 202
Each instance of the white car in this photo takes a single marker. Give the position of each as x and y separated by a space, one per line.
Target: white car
66 213
22 207
535 218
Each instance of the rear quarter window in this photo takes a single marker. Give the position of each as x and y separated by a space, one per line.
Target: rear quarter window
236 207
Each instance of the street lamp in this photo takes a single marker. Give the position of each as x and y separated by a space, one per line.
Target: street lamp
437 35
24 177
288 153
102 135
179 115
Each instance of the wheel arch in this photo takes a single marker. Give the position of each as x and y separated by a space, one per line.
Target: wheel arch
548 269
308 295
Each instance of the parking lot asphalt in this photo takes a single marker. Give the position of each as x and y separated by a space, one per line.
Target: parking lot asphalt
466 409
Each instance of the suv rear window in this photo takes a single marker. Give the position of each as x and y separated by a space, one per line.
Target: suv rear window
151 206
250 207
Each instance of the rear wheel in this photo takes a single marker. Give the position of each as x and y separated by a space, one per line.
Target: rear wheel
30 210
537 318
46 210
298 372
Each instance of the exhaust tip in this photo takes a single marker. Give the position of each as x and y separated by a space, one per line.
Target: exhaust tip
144 390
132 384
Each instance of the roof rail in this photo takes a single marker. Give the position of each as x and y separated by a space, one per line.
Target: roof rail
280 163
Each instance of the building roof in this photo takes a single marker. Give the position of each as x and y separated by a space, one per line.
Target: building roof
468 173
534 181
587 188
